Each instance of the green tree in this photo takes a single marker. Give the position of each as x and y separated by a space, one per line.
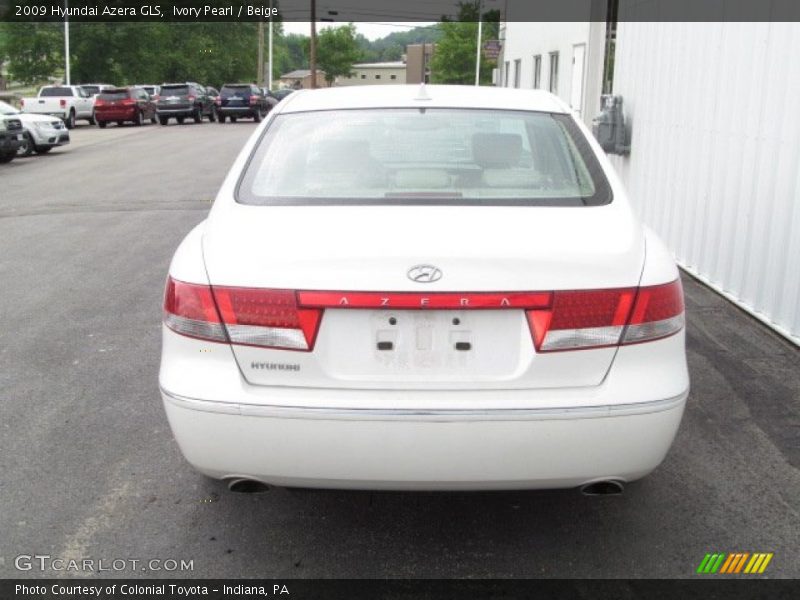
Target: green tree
454 58
35 51
337 51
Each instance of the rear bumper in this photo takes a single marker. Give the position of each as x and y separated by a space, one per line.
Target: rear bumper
237 111
424 450
127 114
175 112
49 136
10 142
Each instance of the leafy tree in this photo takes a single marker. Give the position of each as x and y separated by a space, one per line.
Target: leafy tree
35 51
454 58
337 51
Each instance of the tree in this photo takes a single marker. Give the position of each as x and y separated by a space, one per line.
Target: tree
35 51
337 51
454 58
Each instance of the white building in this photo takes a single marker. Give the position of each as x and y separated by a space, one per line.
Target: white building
564 58
714 163
379 73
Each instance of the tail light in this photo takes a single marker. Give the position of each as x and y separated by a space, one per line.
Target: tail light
597 318
249 316
253 99
62 103
191 98
218 101
22 102
99 102
129 102
289 319
155 97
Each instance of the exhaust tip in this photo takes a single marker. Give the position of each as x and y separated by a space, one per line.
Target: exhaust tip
247 486
609 487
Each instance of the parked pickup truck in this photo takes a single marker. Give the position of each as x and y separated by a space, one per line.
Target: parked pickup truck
68 102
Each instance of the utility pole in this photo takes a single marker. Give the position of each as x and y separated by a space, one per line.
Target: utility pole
260 71
478 51
312 51
66 46
268 79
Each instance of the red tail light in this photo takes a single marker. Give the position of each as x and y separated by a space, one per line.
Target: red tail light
129 102
155 97
189 309
218 101
288 319
62 103
253 99
254 317
597 318
191 98
22 102
99 102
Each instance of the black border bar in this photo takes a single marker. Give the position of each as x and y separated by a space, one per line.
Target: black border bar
408 11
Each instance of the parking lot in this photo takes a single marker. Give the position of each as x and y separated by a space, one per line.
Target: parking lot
90 468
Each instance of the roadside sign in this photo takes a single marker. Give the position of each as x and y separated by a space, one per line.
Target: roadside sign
492 48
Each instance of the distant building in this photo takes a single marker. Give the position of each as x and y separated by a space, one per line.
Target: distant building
563 58
301 79
378 73
418 58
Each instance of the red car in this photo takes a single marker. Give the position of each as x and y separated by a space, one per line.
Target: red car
124 104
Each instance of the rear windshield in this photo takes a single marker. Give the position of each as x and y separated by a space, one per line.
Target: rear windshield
114 95
235 90
424 156
174 90
149 89
56 91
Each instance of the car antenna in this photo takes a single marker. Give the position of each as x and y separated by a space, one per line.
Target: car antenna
422 93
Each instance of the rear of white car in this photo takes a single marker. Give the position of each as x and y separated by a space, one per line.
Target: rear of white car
423 289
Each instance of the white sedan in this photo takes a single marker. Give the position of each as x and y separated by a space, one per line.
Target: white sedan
42 133
421 288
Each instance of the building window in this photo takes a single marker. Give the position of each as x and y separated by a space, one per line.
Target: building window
517 71
505 73
392 76
537 71
554 72
377 76
363 76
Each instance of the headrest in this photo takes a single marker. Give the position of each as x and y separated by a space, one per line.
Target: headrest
496 150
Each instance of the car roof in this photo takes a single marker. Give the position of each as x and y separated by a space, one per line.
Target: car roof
421 96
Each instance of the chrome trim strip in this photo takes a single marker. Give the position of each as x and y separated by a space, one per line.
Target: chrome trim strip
411 414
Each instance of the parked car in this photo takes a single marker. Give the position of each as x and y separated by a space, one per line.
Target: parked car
151 89
281 93
184 100
241 101
70 103
11 136
93 89
124 104
405 287
40 132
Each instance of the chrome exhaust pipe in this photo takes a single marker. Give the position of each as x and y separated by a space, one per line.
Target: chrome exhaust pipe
241 485
606 487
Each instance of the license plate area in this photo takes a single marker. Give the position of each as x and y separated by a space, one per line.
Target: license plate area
423 345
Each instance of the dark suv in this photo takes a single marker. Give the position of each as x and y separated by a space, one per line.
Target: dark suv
241 100
182 100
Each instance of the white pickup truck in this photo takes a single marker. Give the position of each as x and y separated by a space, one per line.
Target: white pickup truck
68 102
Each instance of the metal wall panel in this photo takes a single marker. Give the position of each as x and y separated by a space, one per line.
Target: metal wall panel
715 154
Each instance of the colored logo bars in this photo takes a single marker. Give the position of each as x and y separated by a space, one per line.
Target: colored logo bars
737 562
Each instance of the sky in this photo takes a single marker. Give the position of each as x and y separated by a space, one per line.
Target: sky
372 31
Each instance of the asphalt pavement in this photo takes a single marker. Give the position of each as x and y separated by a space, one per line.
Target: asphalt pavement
90 469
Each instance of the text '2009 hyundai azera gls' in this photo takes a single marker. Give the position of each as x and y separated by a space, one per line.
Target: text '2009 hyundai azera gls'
404 287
